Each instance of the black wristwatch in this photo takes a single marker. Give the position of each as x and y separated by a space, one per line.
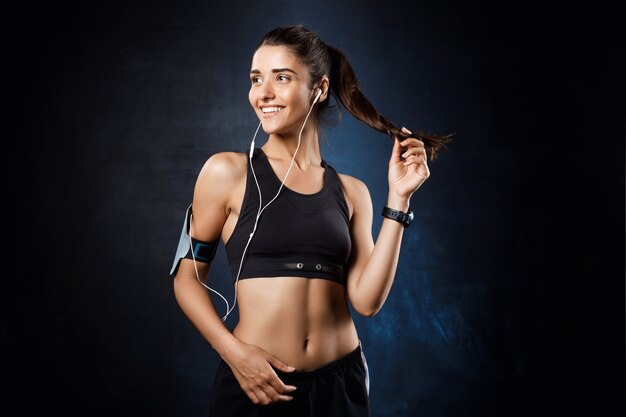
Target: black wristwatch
399 216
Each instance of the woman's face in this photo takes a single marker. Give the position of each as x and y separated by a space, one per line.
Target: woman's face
279 91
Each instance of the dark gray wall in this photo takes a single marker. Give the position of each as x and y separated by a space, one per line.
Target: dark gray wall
508 280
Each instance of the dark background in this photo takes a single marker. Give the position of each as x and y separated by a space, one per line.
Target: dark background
508 296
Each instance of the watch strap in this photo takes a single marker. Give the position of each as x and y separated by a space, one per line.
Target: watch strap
397 215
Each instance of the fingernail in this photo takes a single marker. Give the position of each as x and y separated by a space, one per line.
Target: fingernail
408 131
291 368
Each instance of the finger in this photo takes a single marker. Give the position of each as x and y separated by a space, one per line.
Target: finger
405 130
396 150
278 364
277 384
262 396
250 393
414 143
274 380
415 151
274 395
280 387
414 159
270 392
409 152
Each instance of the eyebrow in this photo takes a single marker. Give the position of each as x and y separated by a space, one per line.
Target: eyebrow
275 70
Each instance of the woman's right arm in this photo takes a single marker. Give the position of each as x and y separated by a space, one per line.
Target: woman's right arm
209 213
251 365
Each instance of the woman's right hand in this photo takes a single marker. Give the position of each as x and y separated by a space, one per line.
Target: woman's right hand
252 366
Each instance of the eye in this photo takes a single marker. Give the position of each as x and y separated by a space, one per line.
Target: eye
282 78
255 80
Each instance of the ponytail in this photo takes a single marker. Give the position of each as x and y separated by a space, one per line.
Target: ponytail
345 87
322 59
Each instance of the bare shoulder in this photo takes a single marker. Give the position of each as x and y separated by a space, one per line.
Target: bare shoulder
352 185
356 191
222 173
223 167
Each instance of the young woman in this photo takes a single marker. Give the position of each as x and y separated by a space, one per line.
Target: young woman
298 239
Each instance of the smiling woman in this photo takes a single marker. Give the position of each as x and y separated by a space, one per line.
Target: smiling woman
298 240
281 88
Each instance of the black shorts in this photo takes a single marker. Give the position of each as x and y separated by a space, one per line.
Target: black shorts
338 389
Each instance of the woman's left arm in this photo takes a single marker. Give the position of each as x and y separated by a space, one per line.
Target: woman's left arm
373 266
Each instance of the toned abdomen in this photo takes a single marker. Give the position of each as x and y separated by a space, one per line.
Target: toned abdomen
304 322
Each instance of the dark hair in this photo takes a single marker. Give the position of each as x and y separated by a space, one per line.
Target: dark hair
322 59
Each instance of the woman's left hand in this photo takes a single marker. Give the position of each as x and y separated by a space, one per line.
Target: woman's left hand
407 176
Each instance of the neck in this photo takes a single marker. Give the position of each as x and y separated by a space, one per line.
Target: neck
283 147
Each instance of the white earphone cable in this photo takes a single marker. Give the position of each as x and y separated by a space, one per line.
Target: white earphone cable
228 308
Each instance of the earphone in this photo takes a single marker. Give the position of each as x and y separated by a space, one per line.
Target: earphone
228 308
319 93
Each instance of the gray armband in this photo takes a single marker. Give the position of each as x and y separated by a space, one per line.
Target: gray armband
190 248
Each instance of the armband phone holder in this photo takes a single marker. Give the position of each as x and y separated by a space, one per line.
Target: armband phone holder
190 248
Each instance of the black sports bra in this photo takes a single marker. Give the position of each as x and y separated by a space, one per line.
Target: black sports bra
301 235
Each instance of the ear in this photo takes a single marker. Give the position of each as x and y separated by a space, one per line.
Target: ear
324 84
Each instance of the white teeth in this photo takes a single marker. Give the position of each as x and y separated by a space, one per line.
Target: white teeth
271 109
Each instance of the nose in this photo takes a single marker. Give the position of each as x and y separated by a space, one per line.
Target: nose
267 92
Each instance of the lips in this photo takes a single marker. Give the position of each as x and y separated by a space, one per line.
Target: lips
273 109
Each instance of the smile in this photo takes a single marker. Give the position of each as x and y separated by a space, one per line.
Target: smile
271 109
